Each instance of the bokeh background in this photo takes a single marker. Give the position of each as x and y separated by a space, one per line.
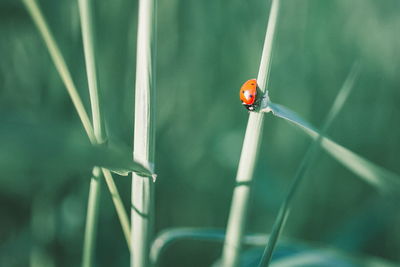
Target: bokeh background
205 51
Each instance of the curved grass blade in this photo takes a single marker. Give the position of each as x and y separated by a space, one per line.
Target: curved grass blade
384 180
241 195
170 236
308 158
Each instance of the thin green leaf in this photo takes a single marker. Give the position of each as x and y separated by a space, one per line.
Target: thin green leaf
52 148
305 165
125 164
384 180
119 206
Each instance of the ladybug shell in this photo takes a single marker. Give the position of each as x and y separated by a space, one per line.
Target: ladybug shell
248 92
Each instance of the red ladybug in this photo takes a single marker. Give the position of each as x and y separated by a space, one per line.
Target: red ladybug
248 94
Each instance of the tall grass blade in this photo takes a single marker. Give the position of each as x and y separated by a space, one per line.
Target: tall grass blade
119 205
91 218
85 13
94 190
284 210
384 180
144 135
241 194
63 71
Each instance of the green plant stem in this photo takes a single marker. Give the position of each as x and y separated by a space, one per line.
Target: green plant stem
119 205
144 141
89 52
63 71
94 191
91 218
248 157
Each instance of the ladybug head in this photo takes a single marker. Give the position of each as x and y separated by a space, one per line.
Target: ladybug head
249 107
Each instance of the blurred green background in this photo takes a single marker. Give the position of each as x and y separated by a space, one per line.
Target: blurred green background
205 51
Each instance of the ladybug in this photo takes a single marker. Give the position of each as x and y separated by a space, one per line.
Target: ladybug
248 94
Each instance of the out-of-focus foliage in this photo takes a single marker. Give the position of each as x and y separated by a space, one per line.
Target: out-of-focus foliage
206 50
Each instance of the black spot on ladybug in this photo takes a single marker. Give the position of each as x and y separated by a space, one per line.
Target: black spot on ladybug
243 92
251 96
252 84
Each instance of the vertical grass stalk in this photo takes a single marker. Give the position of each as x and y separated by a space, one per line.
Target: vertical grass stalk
144 141
94 191
91 218
65 75
244 177
91 67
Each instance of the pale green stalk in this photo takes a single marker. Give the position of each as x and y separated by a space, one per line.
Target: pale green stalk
91 218
94 190
308 158
143 148
85 13
244 177
90 62
63 71
118 204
